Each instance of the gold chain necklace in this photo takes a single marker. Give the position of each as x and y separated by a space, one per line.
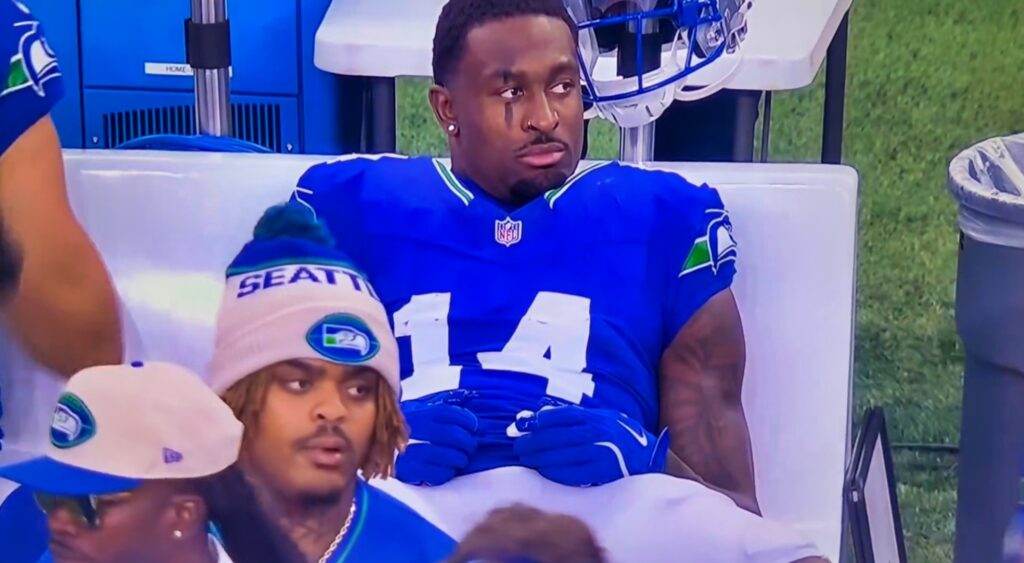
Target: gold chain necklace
341 533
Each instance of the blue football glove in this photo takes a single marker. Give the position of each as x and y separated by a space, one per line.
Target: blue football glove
441 438
583 447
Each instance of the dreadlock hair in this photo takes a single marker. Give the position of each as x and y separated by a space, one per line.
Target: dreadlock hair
520 532
459 17
250 536
247 397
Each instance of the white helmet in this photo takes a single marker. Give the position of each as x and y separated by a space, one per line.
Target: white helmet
657 46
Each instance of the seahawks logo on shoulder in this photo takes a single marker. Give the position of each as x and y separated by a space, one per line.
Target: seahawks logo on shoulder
33 65
713 249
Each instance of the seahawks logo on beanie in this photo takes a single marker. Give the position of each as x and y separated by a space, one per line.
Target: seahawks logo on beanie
343 338
290 246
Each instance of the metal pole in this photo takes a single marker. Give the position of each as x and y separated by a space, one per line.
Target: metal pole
835 95
382 110
746 123
766 125
636 144
213 88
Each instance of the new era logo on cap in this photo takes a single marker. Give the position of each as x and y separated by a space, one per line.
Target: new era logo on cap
172 456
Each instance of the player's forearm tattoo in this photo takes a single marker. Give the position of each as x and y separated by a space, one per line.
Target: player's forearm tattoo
701 385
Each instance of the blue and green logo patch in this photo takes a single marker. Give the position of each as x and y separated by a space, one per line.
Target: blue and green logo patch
33 65
343 338
714 248
72 422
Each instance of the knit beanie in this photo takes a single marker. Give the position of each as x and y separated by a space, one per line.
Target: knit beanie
290 294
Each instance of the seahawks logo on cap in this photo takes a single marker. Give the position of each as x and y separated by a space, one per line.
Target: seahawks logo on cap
343 338
72 423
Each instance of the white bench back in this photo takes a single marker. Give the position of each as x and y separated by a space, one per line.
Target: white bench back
167 224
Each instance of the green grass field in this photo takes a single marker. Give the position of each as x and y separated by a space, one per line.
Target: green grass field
926 78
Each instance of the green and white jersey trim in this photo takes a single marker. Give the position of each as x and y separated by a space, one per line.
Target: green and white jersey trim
551 196
453 183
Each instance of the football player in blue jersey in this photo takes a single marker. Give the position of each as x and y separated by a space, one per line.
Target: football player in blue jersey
64 277
305 358
63 312
567 333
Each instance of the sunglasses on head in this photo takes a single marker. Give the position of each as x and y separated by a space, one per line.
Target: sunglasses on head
83 507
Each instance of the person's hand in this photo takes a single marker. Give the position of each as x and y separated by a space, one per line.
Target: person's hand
582 447
441 438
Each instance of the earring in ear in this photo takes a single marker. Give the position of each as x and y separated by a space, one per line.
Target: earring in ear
452 127
177 534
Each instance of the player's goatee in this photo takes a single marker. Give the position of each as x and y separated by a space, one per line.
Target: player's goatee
524 191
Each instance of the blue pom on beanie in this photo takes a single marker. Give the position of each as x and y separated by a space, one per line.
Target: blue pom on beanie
292 220
288 233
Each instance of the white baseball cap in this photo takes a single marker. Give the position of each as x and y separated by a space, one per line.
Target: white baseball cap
116 426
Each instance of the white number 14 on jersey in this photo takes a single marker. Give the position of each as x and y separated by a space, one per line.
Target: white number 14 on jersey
541 345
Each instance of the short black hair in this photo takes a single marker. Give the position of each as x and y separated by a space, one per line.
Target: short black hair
459 17
519 532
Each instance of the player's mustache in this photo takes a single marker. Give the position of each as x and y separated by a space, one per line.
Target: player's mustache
544 139
324 431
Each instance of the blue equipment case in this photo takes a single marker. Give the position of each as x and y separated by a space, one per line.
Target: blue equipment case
125 73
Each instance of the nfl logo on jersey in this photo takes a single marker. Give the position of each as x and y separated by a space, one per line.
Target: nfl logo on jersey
508 232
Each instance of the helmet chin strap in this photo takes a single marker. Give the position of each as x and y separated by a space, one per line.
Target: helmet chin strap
705 91
684 95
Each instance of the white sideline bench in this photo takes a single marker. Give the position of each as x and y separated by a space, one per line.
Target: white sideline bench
167 224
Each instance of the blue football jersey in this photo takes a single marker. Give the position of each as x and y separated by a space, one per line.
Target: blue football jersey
386 529
30 79
23 533
574 295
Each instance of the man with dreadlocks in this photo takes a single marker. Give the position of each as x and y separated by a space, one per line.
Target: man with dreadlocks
305 358
567 337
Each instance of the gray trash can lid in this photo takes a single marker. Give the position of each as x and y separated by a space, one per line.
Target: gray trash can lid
987 181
